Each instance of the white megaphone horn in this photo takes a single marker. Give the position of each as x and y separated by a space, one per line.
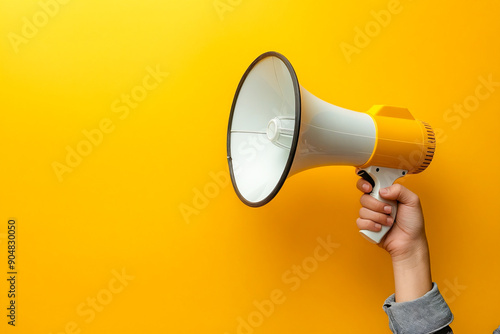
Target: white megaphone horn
277 129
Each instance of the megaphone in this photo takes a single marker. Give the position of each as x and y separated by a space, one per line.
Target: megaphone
278 129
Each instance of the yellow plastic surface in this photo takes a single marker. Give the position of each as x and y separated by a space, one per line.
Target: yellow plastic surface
402 142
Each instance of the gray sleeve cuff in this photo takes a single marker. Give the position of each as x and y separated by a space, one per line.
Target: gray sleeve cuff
426 314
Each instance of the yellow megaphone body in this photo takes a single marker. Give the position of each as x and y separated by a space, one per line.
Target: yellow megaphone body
296 131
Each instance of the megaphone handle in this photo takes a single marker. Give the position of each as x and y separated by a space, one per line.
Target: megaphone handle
381 177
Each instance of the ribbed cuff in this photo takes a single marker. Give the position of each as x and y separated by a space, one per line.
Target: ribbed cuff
423 315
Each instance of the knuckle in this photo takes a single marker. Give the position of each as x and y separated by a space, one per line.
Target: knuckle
397 187
414 198
363 199
364 213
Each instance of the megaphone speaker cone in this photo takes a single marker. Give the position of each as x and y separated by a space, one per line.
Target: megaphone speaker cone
263 128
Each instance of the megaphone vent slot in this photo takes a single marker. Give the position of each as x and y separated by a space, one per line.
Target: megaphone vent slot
429 146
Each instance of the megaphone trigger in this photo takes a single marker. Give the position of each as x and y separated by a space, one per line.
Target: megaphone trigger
366 177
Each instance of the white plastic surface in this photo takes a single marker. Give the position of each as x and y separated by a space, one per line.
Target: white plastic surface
280 131
266 94
383 177
331 135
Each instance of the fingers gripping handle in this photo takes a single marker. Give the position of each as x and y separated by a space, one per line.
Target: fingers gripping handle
381 177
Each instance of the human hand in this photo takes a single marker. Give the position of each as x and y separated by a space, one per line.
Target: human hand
407 234
405 242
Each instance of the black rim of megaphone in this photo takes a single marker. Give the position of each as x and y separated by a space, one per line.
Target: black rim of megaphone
296 130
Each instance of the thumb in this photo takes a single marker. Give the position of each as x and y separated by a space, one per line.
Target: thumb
401 194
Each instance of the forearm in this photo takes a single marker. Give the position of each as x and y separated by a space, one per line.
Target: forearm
412 273
417 306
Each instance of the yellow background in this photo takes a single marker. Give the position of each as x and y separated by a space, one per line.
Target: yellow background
120 208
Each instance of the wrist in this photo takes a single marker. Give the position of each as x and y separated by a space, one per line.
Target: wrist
412 272
408 256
